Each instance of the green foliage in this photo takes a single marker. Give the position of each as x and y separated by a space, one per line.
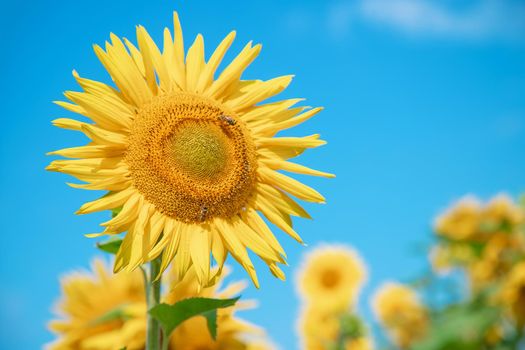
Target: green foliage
462 327
352 326
111 246
171 316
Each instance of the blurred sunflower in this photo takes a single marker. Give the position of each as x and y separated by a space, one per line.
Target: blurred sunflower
501 213
513 293
500 254
331 277
399 311
107 311
321 330
317 329
444 257
191 159
101 311
460 221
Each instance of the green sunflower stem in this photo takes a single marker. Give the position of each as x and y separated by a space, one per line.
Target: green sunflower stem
153 336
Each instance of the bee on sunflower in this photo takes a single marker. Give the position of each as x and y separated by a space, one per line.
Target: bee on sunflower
190 157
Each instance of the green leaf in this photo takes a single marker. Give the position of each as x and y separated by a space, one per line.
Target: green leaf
171 316
111 246
211 322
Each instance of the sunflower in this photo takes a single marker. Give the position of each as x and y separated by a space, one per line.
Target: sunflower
106 311
191 159
444 257
497 259
501 212
461 221
331 277
101 311
398 309
317 328
513 293
320 330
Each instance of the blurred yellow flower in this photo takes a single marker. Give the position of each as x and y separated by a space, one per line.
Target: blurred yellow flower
321 330
444 257
101 311
497 259
502 210
399 310
331 277
188 155
460 221
107 311
363 343
317 328
513 293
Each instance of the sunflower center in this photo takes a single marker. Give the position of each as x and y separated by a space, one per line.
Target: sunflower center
330 278
200 151
191 158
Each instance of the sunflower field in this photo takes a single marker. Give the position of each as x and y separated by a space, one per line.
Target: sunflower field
211 214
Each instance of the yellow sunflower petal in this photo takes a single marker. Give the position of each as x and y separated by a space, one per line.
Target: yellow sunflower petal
104 92
206 77
258 225
153 62
276 219
178 52
233 71
236 248
194 63
290 185
259 93
66 123
103 137
113 200
282 201
200 246
306 142
277 164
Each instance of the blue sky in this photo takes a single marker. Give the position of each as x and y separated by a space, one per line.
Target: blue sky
425 102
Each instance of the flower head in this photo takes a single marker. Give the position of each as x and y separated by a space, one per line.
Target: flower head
320 329
106 311
191 158
101 311
398 309
332 277
460 221
501 211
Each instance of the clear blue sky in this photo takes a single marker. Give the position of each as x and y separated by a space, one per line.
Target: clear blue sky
425 101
